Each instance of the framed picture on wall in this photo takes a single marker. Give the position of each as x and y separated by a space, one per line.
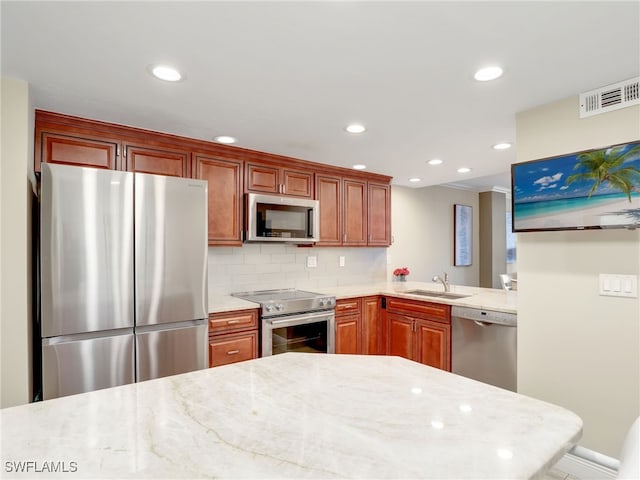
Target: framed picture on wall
462 235
591 189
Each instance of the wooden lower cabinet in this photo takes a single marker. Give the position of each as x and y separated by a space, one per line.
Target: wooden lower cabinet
419 331
348 334
359 326
349 325
232 348
374 338
233 337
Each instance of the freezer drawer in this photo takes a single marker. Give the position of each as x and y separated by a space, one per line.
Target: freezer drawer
169 351
83 363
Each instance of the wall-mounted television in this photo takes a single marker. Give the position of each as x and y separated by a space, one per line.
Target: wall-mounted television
591 189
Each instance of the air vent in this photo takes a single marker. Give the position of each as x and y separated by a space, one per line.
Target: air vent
609 98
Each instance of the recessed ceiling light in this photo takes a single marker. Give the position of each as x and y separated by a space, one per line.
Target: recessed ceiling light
165 72
225 139
359 166
464 170
415 179
502 146
488 73
435 161
355 128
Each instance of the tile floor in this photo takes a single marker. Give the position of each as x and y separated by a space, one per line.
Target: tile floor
555 474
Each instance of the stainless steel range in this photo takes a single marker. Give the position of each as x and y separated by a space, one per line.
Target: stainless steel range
294 320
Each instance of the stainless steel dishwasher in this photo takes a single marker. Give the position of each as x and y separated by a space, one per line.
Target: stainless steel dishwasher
484 346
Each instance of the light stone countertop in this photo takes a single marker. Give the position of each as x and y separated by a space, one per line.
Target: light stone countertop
293 416
482 298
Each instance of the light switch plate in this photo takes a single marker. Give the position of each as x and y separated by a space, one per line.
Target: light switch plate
341 261
614 285
312 261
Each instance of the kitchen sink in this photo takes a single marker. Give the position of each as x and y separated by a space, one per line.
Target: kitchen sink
428 293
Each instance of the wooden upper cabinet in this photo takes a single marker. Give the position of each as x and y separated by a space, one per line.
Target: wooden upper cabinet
355 212
75 149
157 160
329 194
379 214
265 178
225 197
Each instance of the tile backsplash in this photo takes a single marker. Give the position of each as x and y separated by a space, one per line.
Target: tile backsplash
265 266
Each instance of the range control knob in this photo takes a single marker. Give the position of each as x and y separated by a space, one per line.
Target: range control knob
279 307
268 308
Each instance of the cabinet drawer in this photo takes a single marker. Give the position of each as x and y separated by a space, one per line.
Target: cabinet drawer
232 348
432 311
225 322
348 306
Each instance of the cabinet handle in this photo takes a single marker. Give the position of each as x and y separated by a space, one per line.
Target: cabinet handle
233 352
284 188
231 322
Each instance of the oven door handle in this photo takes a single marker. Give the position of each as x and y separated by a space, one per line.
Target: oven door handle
303 319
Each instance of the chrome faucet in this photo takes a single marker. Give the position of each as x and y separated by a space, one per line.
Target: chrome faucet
445 282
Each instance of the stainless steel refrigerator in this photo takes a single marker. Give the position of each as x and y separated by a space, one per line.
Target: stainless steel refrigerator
123 285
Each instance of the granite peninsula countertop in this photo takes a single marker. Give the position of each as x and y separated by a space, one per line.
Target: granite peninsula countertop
482 298
293 415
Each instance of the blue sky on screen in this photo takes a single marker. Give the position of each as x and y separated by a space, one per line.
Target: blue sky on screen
544 180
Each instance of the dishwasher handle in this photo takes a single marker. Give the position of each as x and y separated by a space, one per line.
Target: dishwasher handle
484 316
483 324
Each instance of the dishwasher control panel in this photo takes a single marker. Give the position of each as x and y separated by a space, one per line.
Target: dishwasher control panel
488 316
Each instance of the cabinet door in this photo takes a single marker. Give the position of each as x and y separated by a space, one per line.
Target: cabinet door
232 348
379 214
355 212
157 160
432 344
262 178
82 151
400 339
373 341
295 183
225 195
347 334
329 194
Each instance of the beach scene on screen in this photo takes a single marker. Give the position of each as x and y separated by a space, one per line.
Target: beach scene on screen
598 188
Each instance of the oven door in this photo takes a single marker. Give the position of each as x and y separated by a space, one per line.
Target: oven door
312 332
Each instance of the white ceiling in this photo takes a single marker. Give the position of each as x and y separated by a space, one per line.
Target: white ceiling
286 77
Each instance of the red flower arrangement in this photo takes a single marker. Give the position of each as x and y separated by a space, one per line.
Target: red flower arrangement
401 271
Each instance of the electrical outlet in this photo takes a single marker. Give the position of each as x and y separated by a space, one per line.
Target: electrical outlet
612 285
312 261
342 260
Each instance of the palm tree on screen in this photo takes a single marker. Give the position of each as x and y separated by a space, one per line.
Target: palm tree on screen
606 165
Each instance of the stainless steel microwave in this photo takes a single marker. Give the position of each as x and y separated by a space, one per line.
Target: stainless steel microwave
273 218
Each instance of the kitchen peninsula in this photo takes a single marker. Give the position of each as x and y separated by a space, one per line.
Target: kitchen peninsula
293 416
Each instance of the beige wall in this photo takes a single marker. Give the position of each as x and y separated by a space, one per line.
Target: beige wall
576 348
15 242
422 228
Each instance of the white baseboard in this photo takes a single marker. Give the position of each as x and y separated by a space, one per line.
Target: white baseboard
584 469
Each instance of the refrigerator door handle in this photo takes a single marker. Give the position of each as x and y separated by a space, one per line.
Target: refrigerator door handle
171 325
